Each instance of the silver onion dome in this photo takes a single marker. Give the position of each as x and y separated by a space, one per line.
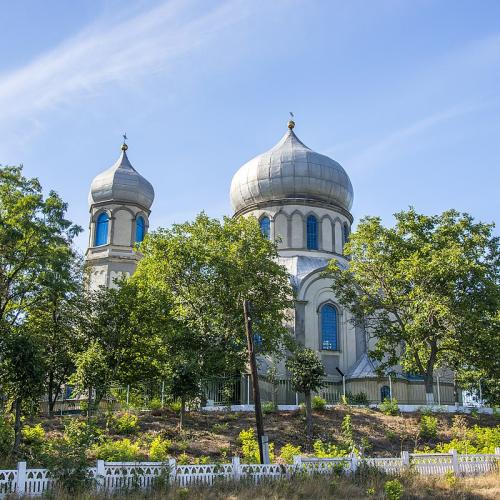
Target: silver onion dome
290 170
122 183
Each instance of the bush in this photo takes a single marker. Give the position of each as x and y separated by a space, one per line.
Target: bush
81 434
128 423
288 451
158 450
250 447
359 398
6 436
33 436
155 404
183 459
393 489
328 450
118 451
269 407
175 406
347 432
220 427
428 427
318 403
390 406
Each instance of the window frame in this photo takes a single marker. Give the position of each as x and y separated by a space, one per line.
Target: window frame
98 232
336 345
312 242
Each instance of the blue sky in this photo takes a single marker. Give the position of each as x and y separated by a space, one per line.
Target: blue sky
404 94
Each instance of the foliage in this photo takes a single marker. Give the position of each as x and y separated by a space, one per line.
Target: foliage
269 407
328 450
81 434
393 489
250 447
220 427
390 406
347 432
428 427
155 404
426 290
288 451
6 436
477 440
33 442
183 459
128 423
359 398
122 450
318 403
158 450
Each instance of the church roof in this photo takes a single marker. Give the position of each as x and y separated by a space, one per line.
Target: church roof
121 183
290 170
364 367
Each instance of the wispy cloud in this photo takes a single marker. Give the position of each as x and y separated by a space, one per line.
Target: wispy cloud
108 52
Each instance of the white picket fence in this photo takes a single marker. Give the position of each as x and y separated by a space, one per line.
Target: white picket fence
114 476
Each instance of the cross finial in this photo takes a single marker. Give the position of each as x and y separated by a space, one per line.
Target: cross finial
124 145
291 123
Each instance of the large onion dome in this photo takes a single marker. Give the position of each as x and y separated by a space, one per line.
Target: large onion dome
121 183
291 171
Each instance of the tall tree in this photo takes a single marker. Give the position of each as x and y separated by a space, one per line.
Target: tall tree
426 290
308 375
204 270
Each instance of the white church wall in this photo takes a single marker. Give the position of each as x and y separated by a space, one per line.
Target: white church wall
297 225
122 228
327 235
338 237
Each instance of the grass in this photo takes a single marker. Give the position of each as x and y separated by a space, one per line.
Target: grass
367 484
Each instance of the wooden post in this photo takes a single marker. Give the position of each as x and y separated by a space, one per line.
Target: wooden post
21 479
255 378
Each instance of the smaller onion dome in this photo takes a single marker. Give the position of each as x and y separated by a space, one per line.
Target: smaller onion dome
122 183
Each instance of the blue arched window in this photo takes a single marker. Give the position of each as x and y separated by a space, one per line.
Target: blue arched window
312 232
101 230
346 233
265 227
140 229
328 328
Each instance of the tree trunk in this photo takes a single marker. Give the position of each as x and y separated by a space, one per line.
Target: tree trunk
17 426
309 421
181 414
429 388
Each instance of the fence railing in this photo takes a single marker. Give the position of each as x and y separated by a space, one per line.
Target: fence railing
115 476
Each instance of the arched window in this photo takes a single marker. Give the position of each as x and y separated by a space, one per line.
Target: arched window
101 230
346 233
385 393
312 232
329 328
140 229
265 227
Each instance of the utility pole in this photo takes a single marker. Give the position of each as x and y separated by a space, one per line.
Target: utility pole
255 378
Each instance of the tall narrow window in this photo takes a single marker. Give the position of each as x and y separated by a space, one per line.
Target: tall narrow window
265 227
329 328
101 230
312 233
385 393
139 229
346 233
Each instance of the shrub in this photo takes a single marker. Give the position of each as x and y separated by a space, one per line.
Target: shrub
328 450
175 406
33 436
428 427
359 398
269 407
118 451
81 434
183 459
155 404
6 436
477 440
393 489
390 406
347 432
128 423
158 450
288 451
250 447
220 427
203 460
318 403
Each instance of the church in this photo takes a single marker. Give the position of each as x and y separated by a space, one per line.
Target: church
302 200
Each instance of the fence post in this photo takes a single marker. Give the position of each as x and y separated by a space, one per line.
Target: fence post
172 470
405 459
454 462
100 474
354 463
236 469
297 461
497 452
21 479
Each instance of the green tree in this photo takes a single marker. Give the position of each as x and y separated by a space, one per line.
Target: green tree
427 291
203 270
307 375
22 373
33 230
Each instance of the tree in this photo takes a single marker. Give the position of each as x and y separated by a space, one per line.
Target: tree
307 375
33 229
22 373
203 270
426 291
